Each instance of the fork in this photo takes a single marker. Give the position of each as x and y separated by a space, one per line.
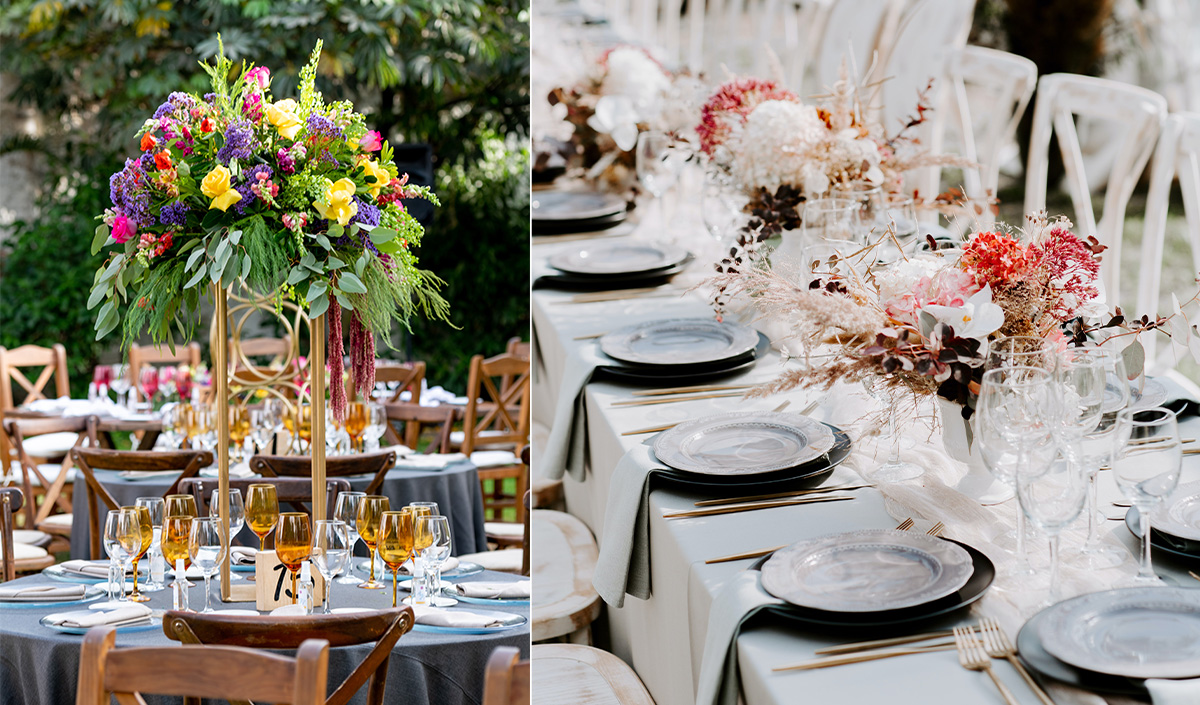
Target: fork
997 645
972 657
936 529
905 525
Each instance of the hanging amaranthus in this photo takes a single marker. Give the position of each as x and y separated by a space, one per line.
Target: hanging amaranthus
337 385
362 357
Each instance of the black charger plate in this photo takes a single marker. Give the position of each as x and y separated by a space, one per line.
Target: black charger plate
1036 657
576 282
982 575
682 374
1176 546
814 472
585 225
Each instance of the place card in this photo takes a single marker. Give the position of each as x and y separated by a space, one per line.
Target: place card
273 583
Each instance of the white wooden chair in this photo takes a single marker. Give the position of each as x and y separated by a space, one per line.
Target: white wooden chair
570 673
854 31
1139 112
1177 154
563 565
928 31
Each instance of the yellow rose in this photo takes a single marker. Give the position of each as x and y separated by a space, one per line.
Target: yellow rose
381 177
282 114
216 187
338 203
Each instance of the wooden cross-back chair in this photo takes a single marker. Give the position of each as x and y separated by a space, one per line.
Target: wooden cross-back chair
220 672
500 421
13 363
17 558
384 627
375 464
91 459
140 356
296 492
34 480
416 417
1139 113
506 679
519 349
405 375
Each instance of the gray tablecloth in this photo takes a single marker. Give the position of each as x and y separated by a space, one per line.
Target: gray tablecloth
455 489
39 666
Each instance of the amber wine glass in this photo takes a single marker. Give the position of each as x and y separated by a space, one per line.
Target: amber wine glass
239 428
293 543
396 542
176 529
262 511
370 513
180 505
356 423
146 528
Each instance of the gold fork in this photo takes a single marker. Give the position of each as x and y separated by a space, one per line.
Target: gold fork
936 529
905 525
997 645
972 657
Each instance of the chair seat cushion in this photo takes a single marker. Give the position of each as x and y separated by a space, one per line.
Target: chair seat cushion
494 458
50 445
23 551
506 561
31 537
49 470
62 522
503 528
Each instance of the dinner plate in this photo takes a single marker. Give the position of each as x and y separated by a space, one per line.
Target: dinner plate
679 341
508 621
982 575
1178 547
1153 393
1036 657
616 260
518 602
56 572
561 206
569 227
92 593
1134 632
574 282
642 375
152 623
811 473
1180 515
867 571
743 443
464 569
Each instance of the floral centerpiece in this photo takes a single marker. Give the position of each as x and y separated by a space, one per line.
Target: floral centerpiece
293 198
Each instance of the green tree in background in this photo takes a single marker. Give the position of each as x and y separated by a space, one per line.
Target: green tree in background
451 73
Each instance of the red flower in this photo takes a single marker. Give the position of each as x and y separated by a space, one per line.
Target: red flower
162 160
996 259
148 142
731 104
206 125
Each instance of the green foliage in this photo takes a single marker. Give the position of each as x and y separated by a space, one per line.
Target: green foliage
479 243
46 269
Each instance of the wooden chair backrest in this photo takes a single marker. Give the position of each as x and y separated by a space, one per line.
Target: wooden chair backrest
53 363
295 491
376 464
508 417
1139 112
10 504
407 375
225 672
519 349
384 627
415 417
17 429
161 355
1177 154
91 459
506 680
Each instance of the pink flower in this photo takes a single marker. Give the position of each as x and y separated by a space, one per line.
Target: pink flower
371 141
260 75
123 229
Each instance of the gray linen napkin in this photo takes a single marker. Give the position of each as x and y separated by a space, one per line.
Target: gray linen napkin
739 600
566 446
1179 399
624 562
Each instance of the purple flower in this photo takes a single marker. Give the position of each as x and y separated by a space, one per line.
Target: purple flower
177 104
174 213
319 125
210 98
286 164
129 193
146 161
249 178
239 142
367 214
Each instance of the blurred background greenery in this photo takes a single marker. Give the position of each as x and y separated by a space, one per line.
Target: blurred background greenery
454 74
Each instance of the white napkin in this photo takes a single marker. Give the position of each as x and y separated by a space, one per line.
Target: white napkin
487 590
739 600
624 563
432 461
147 474
447 565
566 447
65 406
86 619
494 458
43 593
242 555
88 568
1172 692
435 617
240 470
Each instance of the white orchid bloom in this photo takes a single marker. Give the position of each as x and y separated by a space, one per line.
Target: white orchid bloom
977 318
615 116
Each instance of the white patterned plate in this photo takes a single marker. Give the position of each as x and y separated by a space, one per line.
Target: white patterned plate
1180 514
618 259
743 443
867 571
1137 632
573 205
679 341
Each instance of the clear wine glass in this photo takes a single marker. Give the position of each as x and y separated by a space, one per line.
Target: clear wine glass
331 551
436 553
658 166
207 551
1020 351
122 538
1147 455
261 430
345 510
1097 454
237 510
376 425
893 469
156 506
1052 499
719 205
121 384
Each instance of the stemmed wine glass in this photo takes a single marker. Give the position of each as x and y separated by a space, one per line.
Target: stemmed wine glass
147 534
376 425
719 208
293 544
370 513
262 510
894 469
239 430
658 166
346 511
435 553
121 383
122 539
1097 453
261 431
396 542
1147 456
274 413
148 383
356 423
156 507
330 551
207 551
237 510
1020 351
1052 499
176 536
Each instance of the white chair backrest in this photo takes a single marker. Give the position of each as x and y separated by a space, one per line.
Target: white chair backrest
1178 154
1140 113
928 31
742 36
846 30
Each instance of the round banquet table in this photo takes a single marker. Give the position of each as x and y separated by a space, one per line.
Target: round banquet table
39 666
455 488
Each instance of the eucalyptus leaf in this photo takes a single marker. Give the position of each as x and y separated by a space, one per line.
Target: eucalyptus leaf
334 263
316 289
100 238
318 306
246 265
197 276
112 267
324 241
382 235
212 246
297 275
235 236
228 276
216 271
335 230
98 294
192 259
222 255
361 265
344 301
350 283
106 319
1135 359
